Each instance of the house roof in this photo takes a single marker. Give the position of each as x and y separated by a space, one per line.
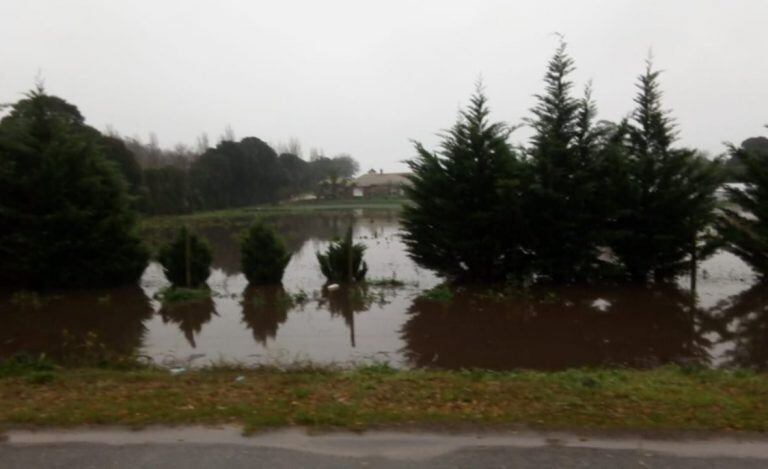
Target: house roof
381 179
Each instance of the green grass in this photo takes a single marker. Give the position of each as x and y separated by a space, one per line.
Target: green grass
440 292
171 295
283 208
663 399
388 282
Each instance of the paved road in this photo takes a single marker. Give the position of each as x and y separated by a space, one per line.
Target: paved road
223 448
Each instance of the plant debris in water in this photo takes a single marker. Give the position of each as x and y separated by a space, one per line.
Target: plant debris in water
440 292
171 294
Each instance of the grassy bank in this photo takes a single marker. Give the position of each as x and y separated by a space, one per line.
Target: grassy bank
662 399
292 207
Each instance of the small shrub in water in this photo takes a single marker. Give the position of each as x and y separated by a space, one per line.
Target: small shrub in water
343 261
186 260
300 298
264 256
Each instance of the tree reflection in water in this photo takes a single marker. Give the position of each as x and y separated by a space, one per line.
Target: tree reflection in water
264 309
346 301
743 322
76 327
556 328
190 316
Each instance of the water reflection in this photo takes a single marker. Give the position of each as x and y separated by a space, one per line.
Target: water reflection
348 300
264 309
556 329
545 329
75 327
743 322
189 316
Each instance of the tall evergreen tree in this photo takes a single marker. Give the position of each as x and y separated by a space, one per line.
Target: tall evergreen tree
564 159
745 227
465 218
65 217
665 196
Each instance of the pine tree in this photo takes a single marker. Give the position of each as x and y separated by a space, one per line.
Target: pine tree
65 217
745 228
564 197
264 256
665 196
464 219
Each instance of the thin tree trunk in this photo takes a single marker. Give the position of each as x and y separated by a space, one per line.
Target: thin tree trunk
187 258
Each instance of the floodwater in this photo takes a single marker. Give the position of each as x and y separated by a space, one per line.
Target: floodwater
724 325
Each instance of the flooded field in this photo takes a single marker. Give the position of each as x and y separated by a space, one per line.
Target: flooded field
725 325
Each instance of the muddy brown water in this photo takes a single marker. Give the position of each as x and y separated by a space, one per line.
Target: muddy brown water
724 325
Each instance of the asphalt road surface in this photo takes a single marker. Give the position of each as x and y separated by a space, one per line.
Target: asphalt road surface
191 448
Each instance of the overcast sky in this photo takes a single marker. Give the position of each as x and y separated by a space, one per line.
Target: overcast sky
365 77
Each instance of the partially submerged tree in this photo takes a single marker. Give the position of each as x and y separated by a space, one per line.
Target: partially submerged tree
465 217
745 227
665 196
564 198
343 261
186 260
65 217
264 256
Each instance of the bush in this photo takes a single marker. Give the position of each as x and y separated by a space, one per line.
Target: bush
186 260
65 215
343 261
264 256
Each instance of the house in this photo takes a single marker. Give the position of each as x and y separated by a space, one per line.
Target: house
334 188
380 184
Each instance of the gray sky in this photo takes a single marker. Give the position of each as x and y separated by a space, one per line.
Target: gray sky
365 77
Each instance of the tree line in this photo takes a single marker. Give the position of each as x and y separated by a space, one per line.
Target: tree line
228 174
235 174
69 194
584 200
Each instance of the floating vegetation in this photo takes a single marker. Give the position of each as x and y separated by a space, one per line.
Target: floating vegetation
391 282
438 293
169 295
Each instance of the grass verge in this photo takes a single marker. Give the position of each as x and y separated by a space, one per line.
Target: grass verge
663 399
161 221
